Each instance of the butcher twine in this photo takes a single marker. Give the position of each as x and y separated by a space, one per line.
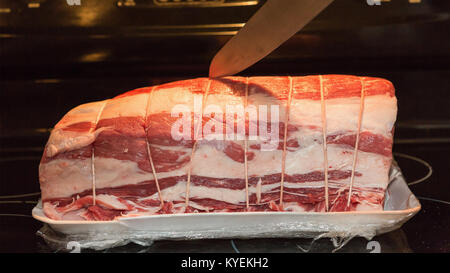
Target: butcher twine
283 166
355 152
283 159
246 145
199 125
92 130
148 148
324 133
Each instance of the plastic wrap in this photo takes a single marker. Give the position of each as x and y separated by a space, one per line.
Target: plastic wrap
400 205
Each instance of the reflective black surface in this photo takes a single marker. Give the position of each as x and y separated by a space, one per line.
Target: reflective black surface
56 57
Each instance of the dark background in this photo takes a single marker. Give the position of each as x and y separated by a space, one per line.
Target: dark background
54 56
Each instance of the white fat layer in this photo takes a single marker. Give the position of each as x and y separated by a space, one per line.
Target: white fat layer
224 99
379 115
83 113
373 167
178 193
232 196
271 159
61 141
342 113
261 99
197 206
175 148
314 184
211 162
257 190
129 106
64 177
110 172
111 201
164 100
364 206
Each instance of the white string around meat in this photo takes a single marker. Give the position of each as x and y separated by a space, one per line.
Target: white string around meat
247 205
198 127
149 153
92 130
324 133
355 151
283 159
93 176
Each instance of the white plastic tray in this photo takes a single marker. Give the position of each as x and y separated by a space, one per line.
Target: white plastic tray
400 206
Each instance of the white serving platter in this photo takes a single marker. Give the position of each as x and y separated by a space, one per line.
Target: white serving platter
400 206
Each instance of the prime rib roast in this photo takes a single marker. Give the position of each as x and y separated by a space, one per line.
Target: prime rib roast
313 143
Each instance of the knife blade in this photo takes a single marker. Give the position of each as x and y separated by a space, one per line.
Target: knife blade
274 23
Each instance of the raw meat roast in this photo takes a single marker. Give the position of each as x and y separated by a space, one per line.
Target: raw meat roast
314 143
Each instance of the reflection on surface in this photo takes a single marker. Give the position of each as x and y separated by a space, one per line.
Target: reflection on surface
94 56
90 15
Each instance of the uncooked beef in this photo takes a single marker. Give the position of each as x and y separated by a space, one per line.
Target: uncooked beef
232 144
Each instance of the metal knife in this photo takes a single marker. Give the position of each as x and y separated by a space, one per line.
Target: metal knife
274 23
